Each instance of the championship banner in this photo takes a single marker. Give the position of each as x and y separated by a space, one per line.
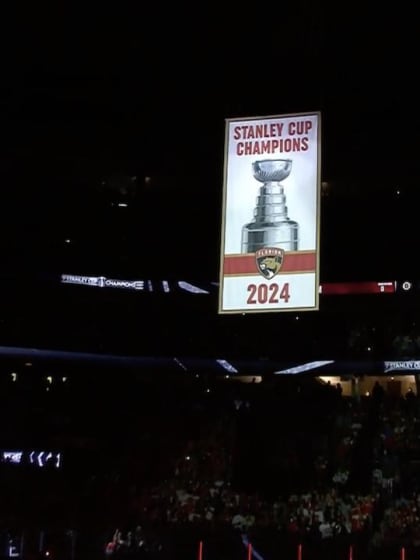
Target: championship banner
271 207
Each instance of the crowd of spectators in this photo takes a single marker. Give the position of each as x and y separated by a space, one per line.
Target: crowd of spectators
277 461
320 503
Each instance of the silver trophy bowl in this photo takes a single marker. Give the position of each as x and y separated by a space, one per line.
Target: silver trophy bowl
271 226
271 170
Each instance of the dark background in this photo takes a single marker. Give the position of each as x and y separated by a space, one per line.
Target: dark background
107 107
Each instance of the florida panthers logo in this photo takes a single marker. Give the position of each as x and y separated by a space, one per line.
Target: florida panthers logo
269 261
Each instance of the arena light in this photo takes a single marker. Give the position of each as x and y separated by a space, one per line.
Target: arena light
191 288
180 364
227 366
304 367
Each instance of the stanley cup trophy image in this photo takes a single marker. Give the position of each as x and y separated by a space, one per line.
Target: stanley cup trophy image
271 226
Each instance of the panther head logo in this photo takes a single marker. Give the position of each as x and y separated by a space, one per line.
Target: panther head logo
269 261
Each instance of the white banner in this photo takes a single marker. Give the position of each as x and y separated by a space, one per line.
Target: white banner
404 365
271 207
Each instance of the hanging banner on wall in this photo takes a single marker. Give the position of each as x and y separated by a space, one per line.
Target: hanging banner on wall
271 209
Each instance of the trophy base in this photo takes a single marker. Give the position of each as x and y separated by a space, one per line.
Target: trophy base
282 235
